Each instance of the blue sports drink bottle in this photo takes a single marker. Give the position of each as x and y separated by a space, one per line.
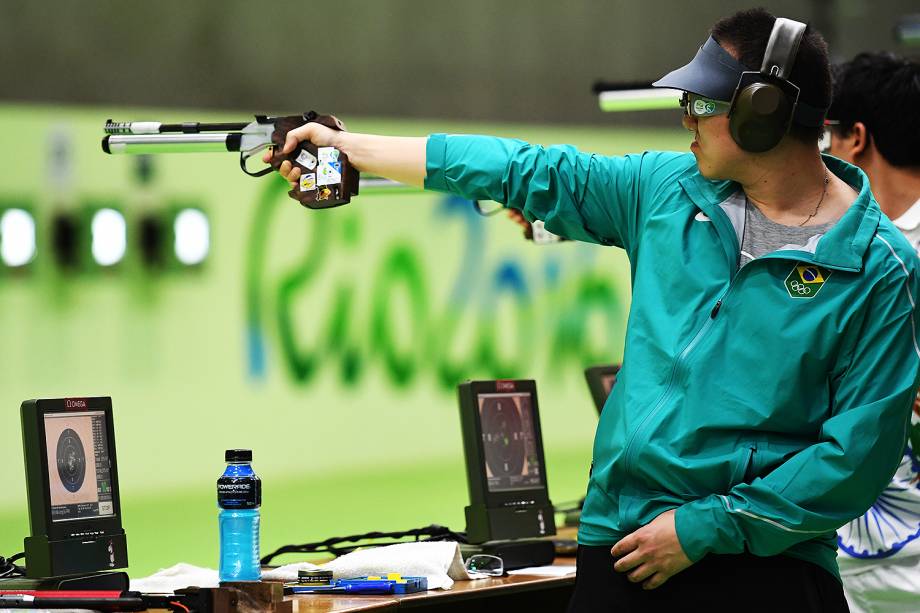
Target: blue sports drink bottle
239 496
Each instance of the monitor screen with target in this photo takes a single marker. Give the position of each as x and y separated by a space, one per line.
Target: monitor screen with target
72 487
506 471
79 471
509 441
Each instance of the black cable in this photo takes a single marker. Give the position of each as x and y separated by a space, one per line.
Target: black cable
432 533
9 569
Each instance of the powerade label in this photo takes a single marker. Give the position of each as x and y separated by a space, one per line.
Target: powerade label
239 492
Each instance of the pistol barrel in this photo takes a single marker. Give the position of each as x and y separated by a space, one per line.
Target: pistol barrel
170 143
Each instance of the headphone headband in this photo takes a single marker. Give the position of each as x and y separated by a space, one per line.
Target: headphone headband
765 102
782 48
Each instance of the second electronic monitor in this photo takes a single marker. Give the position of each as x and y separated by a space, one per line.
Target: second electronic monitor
506 472
601 380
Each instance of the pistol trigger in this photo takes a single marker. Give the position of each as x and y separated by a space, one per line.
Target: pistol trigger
259 173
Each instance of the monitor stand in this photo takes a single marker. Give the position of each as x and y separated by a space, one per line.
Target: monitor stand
509 522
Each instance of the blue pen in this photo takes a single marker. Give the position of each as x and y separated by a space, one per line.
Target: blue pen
352 587
396 584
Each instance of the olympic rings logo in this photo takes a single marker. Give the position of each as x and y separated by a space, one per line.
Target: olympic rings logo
800 288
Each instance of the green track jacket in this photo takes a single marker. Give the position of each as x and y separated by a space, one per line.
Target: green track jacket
768 405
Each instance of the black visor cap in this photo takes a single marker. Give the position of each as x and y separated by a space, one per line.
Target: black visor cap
712 73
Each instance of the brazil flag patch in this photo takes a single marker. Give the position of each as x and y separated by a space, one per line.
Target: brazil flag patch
806 280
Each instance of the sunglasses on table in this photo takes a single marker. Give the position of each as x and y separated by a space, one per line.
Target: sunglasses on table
485 564
699 106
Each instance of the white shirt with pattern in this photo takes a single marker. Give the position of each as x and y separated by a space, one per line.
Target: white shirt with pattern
879 553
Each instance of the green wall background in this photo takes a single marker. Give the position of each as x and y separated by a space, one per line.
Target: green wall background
390 301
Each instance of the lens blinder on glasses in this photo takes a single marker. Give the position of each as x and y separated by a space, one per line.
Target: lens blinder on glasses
700 106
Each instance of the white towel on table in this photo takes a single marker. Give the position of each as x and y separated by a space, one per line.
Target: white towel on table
439 561
168 580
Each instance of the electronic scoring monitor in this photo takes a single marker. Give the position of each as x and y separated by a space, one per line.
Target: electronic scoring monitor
72 487
600 381
506 471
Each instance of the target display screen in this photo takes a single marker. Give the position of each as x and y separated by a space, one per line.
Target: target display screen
79 469
509 442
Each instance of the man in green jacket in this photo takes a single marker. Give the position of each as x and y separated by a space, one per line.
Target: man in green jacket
771 354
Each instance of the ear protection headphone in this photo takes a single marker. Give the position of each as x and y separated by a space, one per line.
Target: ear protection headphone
765 101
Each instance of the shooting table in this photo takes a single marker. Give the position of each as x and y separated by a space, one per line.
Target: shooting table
497 594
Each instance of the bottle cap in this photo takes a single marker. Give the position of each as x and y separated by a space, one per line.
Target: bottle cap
314 576
238 455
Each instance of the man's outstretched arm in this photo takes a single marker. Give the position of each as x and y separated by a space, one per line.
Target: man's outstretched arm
398 158
579 196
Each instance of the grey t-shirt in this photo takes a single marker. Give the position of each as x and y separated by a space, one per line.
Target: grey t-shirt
762 236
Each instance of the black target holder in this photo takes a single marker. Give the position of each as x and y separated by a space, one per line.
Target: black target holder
507 500
72 489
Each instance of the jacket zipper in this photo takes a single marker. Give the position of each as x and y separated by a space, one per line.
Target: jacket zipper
715 309
629 449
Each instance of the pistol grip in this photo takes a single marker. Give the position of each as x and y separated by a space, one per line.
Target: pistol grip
327 179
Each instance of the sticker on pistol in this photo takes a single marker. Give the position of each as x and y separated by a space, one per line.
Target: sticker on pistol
329 173
327 154
307 182
307 160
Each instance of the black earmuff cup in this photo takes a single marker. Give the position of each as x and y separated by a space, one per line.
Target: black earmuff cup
757 130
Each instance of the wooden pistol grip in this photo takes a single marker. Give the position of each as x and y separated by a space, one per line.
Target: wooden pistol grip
327 179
